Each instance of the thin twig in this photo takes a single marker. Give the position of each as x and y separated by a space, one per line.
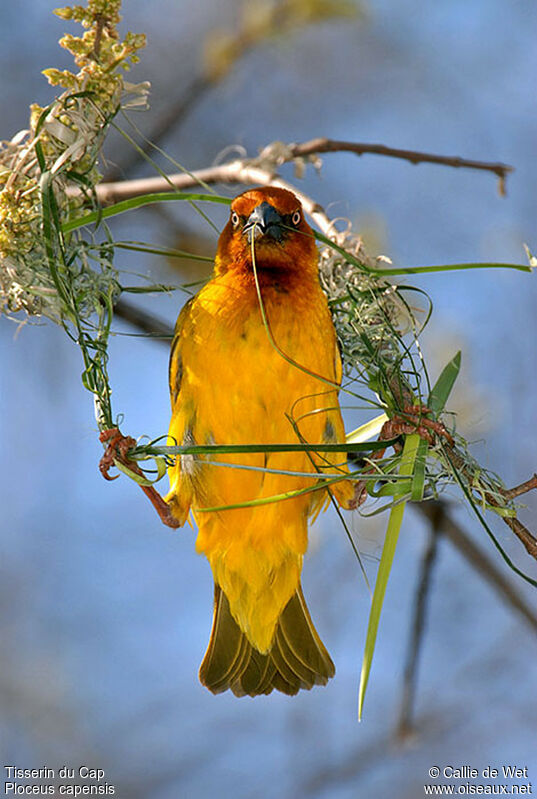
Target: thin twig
520 530
523 488
323 145
142 320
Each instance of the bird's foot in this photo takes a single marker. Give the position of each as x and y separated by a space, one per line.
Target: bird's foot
118 447
117 450
413 419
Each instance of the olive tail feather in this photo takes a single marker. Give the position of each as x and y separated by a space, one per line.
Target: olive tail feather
296 660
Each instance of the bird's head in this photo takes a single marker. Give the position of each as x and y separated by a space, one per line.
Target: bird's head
272 220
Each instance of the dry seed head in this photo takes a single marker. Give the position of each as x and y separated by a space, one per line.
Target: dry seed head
68 138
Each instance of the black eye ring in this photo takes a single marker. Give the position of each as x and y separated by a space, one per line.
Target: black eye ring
295 219
234 219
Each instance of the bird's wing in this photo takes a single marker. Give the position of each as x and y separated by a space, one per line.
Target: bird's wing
175 369
179 497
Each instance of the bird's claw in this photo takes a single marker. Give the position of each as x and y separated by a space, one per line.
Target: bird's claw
412 419
117 449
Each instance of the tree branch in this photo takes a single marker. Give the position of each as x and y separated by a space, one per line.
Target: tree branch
520 530
262 169
240 171
323 145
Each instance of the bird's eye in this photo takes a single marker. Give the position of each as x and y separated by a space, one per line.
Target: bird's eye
234 219
295 219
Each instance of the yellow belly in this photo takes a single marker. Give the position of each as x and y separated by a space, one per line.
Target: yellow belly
237 388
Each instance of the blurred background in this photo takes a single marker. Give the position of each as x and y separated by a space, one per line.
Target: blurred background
105 614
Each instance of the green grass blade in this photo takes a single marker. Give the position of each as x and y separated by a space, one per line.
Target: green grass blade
138 202
442 388
417 270
418 480
414 270
406 469
166 252
253 503
141 452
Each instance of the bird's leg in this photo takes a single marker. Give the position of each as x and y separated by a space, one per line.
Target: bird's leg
161 506
118 447
412 419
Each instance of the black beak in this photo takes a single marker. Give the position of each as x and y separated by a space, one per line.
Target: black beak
264 221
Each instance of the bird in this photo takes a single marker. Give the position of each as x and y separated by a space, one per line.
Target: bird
255 360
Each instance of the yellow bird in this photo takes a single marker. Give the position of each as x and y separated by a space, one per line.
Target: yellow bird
239 378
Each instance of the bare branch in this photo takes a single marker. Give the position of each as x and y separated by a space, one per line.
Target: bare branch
520 530
323 145
523 488
273 156
240 171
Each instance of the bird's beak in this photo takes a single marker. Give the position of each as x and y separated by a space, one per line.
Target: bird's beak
264 221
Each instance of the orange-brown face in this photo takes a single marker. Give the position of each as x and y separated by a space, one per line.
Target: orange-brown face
273 220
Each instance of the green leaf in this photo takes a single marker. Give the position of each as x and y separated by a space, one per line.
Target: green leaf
166 252
442 388
406 469
392 488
